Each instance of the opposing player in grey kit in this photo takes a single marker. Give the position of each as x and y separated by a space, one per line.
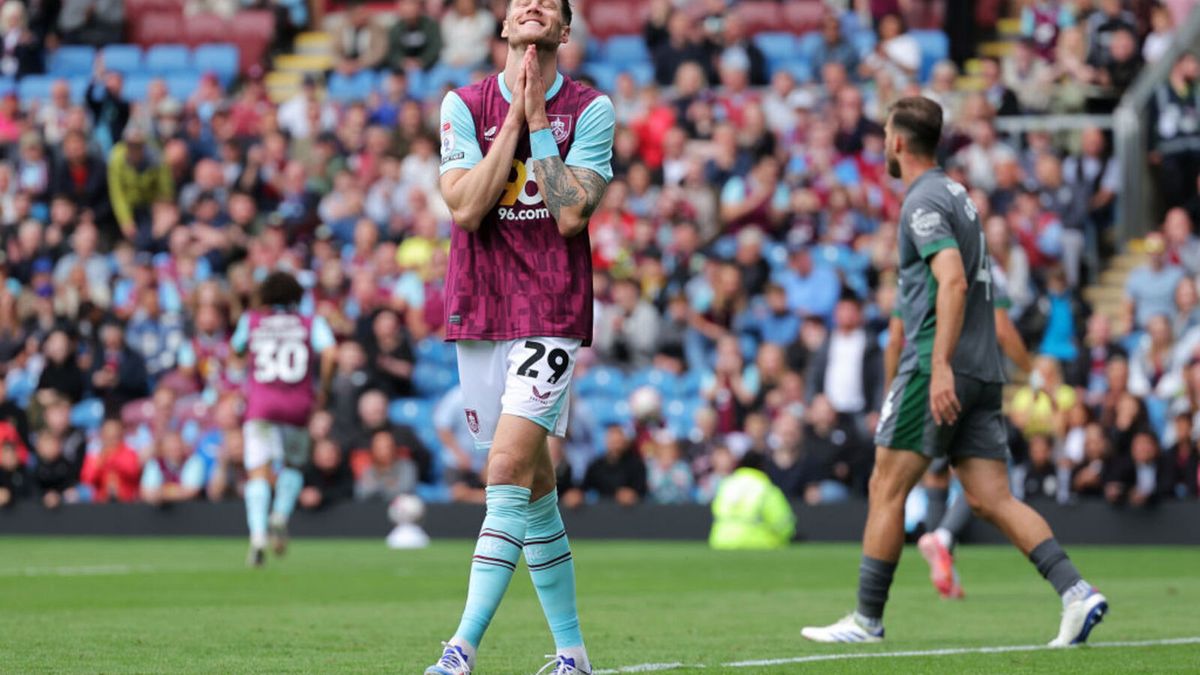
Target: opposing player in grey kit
946 398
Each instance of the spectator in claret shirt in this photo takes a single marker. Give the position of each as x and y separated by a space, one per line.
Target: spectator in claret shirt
112 471
171 475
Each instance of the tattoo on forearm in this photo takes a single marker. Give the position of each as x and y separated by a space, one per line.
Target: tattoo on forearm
568 188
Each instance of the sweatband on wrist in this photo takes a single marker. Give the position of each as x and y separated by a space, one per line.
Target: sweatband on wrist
542 144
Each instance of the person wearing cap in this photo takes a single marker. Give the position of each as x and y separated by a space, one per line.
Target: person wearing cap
136 179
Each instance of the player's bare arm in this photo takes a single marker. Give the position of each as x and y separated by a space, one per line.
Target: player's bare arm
947 268
571 193
891 355
1011 342
472 193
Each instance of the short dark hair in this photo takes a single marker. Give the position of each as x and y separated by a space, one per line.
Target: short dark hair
280 289
920 120
567 12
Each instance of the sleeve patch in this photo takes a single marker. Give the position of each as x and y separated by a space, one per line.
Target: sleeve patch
925 223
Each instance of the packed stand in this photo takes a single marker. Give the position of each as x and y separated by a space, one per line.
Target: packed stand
744 260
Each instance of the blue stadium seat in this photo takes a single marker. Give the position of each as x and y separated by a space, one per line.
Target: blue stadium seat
864 42
71 60
801 70
440 76
624 50
432 380
417 79
357 87
78 85
602 381
688 385
168 59
643 73
807 46
661 380
35 88
410 411
433 494
934 47
122 58
135 87
219 58
183 84
604 75
777 47
609 411
434 350
8 85
88 414
777 255
680 414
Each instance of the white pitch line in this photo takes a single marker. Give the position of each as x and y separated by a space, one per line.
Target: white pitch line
647 667
98 570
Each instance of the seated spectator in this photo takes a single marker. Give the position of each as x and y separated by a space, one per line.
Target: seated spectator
327 479
982 155
749 512
118 373
61 374
113 470
467 32
388 475
759 200
1039 408
1041 22
835 453
896 56
15 482
619 474
1038 476
1150 288
170 475
92 22
55 476
1143 477
680 43
1030 77
812 287
627 329
82 177
1182 459
372 418
358 42
228 477
1162 29
1097 471
721 464
415 40
834 47
1002 99
1104 25
1152 358
668 477
390 355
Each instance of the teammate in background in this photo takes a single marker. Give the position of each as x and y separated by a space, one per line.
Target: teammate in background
946 397
526 158
280 397
944 523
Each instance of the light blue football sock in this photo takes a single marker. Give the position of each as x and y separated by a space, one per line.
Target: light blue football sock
496 555
548 555
258 501
288 484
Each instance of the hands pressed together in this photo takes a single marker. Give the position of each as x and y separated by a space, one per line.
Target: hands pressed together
529 94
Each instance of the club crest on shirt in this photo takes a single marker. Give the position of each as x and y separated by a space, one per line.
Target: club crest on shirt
472 420
924 223
560 126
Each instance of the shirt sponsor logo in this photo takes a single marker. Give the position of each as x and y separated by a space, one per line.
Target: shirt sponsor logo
520 194
560 127
489 134
447 141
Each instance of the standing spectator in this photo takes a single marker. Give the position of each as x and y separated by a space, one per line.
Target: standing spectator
415 40
1094 178
1174 119
137 178
668 477
358 42
327 479
1150 288
1162 30
467 32
387 476
1104 25
847 368
113 470
619 474
22 51
54 476
1118 67
170 475
110 111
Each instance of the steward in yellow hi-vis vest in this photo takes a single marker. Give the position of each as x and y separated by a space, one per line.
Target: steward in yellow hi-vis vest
749 512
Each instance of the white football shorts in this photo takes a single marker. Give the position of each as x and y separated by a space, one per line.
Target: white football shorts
275 444
526 377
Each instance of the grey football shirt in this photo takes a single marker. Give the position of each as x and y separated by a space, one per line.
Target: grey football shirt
938 214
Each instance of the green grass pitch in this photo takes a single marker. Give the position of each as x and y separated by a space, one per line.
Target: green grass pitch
189 605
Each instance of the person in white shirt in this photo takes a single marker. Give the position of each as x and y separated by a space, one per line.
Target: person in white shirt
466 34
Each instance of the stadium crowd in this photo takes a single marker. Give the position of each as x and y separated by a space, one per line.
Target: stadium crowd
744 256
